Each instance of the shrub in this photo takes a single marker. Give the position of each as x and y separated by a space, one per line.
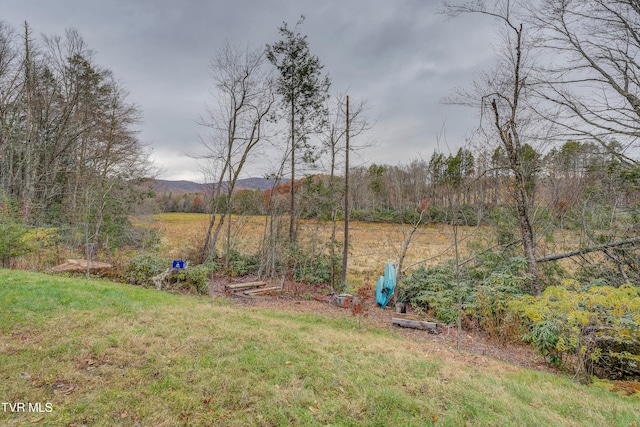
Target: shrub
193 279
314 270
142 268
492 299
434 290
558 318
240 264
12 232
486 289
40 247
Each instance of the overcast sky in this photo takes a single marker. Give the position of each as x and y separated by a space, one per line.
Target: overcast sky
400 55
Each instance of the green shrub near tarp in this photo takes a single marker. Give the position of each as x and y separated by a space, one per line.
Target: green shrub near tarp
486 288
315 269
434 289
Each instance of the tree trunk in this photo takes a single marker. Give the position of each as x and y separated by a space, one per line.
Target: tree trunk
292 206
345 249
332 203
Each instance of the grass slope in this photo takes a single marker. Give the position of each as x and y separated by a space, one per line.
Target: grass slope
109 354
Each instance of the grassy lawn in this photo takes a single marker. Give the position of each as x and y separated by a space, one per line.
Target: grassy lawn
104 354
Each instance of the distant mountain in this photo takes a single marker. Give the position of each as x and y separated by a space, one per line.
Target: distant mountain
176 187
181 187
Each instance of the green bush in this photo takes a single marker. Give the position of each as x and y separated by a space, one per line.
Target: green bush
240 264
486 288
42 246
12 232
315 270
434 289
193 279
142 268
556 319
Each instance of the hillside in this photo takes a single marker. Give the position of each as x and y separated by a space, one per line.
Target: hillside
183 187
110 354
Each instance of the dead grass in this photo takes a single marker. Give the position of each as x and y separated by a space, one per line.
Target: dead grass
372 245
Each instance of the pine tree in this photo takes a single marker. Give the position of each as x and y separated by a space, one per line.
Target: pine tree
303 91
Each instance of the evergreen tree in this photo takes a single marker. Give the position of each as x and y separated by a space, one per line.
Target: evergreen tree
303 91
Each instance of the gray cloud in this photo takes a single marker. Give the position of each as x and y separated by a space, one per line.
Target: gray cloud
401 56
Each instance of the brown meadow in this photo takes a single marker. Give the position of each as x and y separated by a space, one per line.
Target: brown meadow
372 245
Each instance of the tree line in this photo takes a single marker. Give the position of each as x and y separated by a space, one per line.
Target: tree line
69 150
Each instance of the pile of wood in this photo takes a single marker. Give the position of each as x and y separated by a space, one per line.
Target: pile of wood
80 266
252 289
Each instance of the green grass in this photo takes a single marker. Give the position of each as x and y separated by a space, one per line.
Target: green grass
109 354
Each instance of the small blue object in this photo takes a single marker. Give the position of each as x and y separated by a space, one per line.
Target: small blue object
179 263
385 285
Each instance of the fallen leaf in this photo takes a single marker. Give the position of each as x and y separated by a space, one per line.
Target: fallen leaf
123 415
342 390
36 420
183 415
288 362
313 409
206 401
435 419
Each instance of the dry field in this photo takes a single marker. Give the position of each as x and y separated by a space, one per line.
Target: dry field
372 245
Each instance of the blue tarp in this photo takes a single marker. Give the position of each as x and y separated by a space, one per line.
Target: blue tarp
385 285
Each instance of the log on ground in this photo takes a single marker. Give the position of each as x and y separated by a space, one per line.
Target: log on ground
239 286
80 266
262 291
415 324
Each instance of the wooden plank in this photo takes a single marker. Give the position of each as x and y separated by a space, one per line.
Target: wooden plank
246 285
262 291
416 324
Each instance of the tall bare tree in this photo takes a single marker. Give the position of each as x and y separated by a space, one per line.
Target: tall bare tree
236 124
502 95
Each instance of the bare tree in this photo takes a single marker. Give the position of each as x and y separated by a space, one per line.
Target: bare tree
346 121
593 80
502 97
236 124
